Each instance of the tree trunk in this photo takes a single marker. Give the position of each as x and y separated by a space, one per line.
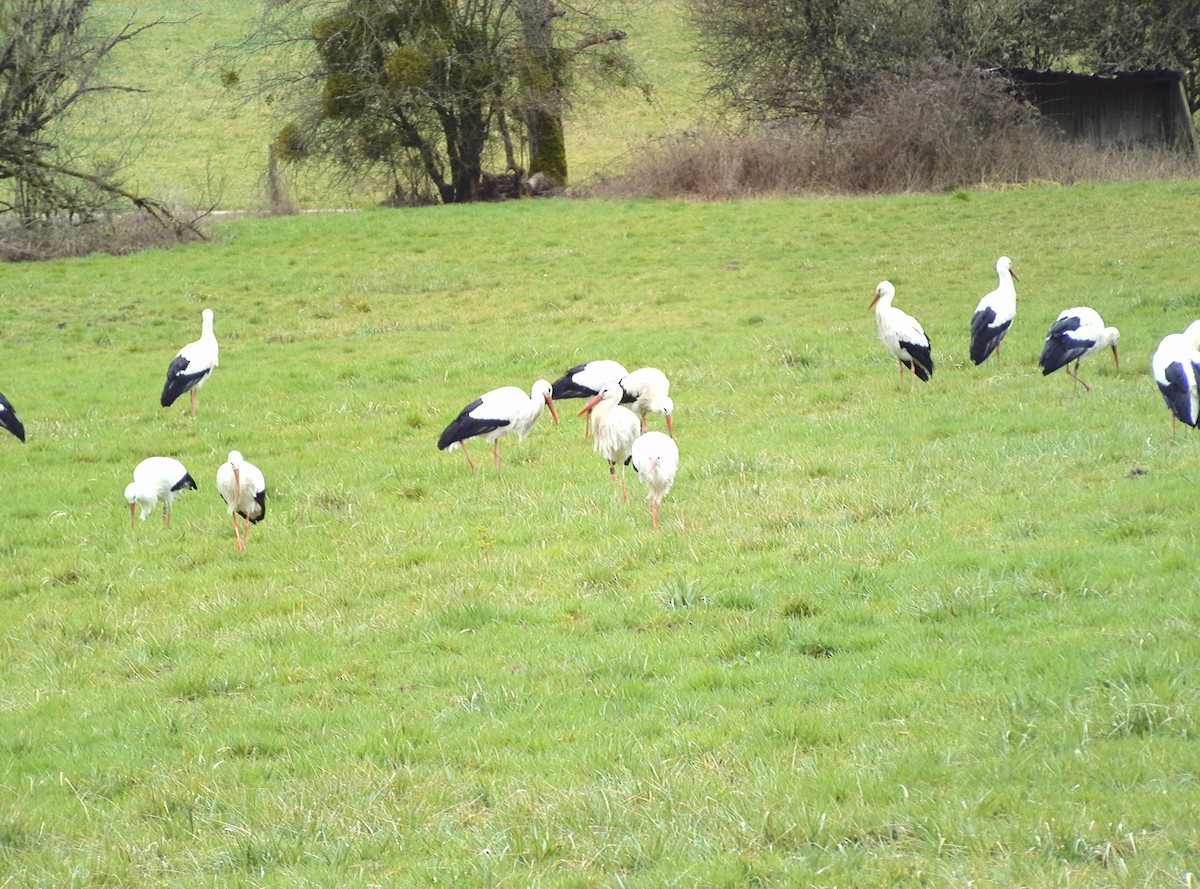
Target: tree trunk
543 87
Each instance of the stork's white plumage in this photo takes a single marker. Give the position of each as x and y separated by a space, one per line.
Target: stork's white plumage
647 389
9 419
994 314
902 333
1075 334
156 480
244 490
585 380
498 413
1176 369
616 428
193 365
655 456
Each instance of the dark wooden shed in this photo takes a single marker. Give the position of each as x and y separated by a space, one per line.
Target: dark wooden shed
1113 110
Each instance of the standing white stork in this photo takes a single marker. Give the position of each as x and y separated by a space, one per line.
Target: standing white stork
243 487
192 365
646 389
1176 369
902 333
585 380
9 419
157 480
497 413
616 429
994 314
1077 333
656 458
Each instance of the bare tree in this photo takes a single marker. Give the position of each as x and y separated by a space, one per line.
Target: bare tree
51 57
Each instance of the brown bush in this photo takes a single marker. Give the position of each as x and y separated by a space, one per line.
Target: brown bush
115 232
939 131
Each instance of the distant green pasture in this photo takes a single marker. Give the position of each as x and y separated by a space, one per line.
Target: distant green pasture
883 638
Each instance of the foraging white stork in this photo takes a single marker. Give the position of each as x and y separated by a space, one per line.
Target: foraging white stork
9 419
497 413
994 314
1176 369
902 333
646 389
244 489
156 480
655 456
1077 333
192 365
585 380
616 429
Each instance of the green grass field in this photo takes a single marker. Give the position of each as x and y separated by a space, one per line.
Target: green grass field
883 638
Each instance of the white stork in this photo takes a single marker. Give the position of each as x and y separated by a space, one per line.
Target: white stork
1077 333
585 380
616 429
1176 369
243 487
994 314
9 419
655 456
646 389
156 480
902 333
192 365
497 413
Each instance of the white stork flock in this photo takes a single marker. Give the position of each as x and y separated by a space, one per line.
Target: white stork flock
193 365
647 390
495 414
9 419
903 334
1074 335
994 314
243 487
585 381
616 429
1176 369
655 456
156 480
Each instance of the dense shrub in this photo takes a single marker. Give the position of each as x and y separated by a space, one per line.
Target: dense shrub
940 131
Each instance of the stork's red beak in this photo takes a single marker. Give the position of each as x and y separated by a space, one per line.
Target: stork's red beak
1014 274
1116 360
553 412
588 407
670 427
132 510
873 301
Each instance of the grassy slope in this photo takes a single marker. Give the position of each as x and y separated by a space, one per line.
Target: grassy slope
883 637
192 139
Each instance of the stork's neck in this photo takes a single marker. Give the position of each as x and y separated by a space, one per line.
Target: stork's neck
528 415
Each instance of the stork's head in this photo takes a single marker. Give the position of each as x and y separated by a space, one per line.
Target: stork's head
543 389
610 393
884 291
139 497
665 406
1004 264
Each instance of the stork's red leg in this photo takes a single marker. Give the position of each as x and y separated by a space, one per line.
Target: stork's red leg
470 462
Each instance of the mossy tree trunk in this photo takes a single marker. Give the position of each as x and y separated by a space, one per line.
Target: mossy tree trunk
543 85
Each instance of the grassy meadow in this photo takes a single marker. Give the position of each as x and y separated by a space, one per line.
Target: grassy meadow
883 637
